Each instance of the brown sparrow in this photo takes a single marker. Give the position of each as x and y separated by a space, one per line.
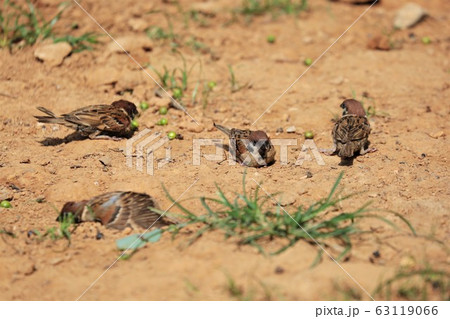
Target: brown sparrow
351 132
110 120
250 148
117 210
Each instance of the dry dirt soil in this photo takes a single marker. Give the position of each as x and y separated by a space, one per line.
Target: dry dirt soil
409 86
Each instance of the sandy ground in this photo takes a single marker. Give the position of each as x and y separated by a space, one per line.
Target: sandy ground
409 174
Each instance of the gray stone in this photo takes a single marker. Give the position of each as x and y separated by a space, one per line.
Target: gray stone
53 53
409 15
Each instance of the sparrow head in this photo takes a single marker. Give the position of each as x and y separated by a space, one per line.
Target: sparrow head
267 151
129 107
72 208
353 107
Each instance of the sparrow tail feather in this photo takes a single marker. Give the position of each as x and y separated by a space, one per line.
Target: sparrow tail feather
223 129
51 118
46 111
346 150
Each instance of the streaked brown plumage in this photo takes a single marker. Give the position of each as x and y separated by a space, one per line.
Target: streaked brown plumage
250 148
351 131
93 120
118 210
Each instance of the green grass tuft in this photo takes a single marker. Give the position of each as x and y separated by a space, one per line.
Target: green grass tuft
179 79
234 85
275 7
416 284
249 219
81 43
66 226
22 26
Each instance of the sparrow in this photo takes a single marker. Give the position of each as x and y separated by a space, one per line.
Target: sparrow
94 120
250 148
351 132
117 210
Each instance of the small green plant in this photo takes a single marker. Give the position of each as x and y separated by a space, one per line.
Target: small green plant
246 219
234 290
66 226
158 33
260 291
275 7
234 85
81 43
8 233
201 18
416 284
346 293
208 87
176 79
24 25
197 46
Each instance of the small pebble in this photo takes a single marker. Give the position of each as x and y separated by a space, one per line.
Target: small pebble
53 53
286 200
193 127
290 129
105 160
279 270
99 235
409 15
337 81
436 134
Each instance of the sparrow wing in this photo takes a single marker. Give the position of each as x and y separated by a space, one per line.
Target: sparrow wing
116 120
243 140
89 116
106 209
106 118
351 128
126 209
139 205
